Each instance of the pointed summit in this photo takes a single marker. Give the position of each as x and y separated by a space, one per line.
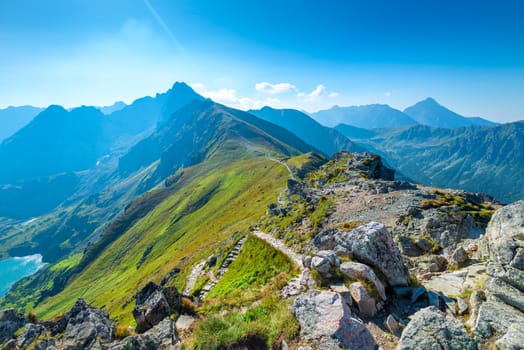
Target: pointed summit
430 112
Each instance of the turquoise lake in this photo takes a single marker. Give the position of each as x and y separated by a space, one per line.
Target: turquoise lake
14 269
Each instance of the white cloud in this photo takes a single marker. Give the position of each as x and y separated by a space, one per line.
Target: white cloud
333 94
387 93
272 89
230 98
319 91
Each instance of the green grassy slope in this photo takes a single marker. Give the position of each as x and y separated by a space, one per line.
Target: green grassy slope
209 203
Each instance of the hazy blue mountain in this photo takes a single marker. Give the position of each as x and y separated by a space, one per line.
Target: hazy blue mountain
353 132
113 108
366 117
326 140
56 141
144 114
430 112
13 119
487 159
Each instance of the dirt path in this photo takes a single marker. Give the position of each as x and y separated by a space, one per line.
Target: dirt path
291 175
191 279
280 246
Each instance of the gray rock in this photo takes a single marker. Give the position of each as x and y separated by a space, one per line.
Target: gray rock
355 270
306 261
161 336
505 292
84 327
373 245
392 325
518 259
460 256
513 339
475 300
10 321
30 334
184 322
153 304
462 307
495 315
366 304
430 329
505 233
327 321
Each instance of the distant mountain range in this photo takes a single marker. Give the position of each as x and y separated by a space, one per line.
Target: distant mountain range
428 112
487 159
325 139
366 117
13 119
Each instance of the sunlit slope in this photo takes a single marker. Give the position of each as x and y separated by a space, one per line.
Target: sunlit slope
207 207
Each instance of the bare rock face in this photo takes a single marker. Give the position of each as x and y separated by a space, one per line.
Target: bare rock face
153 304
373 245
503 310
10 321
327 322
505 235
431 329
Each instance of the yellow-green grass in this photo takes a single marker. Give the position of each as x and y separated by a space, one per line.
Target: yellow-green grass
180 231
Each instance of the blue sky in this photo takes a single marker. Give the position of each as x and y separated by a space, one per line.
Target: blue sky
310 55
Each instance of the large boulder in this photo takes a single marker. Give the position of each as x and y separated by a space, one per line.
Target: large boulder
327 322
85 327
505 235
373 245
161 336
431 329
10 321
153 304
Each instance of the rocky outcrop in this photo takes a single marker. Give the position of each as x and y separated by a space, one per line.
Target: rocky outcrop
370 244
326 262
85 327
161 336
431 329
153 304
10 321
326 321
505 236
503 310
30 333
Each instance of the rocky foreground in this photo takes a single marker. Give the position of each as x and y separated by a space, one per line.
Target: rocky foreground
388 265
